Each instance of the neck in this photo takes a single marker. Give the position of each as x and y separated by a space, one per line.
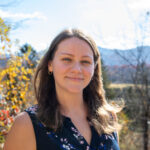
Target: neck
71 104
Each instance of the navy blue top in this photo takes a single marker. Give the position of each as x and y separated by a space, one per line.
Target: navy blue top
69 138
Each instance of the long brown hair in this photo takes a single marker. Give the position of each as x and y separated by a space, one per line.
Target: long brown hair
101 114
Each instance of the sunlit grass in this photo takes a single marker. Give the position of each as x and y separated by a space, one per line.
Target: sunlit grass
120 85
124 85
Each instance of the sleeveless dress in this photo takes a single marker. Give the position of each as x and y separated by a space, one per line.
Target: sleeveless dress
68 138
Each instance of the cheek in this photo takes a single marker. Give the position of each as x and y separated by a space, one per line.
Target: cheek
89 72
59 69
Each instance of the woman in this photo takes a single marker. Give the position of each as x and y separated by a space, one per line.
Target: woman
72 112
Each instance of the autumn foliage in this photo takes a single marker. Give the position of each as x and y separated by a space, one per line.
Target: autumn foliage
15 81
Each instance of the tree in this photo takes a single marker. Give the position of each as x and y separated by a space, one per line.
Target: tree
33 55
15 81
140 75
4 36
110 94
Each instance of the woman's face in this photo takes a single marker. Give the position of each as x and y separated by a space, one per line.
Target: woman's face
72 65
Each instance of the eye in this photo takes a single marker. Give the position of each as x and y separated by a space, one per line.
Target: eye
67 59
85 62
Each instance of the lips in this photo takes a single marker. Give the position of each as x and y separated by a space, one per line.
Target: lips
75 78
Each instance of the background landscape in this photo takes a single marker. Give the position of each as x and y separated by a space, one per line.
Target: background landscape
121 30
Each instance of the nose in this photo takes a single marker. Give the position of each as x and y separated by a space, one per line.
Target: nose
76 67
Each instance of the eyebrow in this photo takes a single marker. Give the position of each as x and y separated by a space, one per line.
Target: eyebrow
73 55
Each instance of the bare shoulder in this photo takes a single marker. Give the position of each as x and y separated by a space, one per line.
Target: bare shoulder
21 135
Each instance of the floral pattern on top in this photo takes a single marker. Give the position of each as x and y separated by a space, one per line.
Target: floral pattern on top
69 138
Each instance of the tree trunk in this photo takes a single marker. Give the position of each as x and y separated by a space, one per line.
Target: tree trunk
145 134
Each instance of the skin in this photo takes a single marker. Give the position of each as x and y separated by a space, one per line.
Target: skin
73 68
21 136
74 58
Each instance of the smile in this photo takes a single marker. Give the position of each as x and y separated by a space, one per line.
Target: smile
75 78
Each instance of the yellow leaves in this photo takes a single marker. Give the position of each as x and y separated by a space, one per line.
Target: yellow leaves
3 47
14 74
20 78
25 78
14 79
7 39
22 95
7 108
2 38
30 71
2 139
20 102
14 99
26 88
8 93
7 82
2 123
1 21
23 70
2 74
22 84
14 92
14 106
26 57
15 85
0 31
12 86
19 64
6 30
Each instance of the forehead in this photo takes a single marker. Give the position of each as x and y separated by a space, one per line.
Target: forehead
74 45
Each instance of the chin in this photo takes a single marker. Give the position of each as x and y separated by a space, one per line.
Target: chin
75 90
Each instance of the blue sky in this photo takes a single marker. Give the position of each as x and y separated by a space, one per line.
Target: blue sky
111 23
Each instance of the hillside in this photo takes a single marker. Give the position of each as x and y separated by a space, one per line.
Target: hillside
3 62
110 57
119 70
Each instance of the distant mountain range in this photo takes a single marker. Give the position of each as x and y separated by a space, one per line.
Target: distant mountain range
3 62
118 70
111 58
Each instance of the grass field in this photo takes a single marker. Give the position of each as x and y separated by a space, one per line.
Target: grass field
120 85
125 85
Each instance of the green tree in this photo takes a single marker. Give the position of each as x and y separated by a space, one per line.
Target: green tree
32 57
110 94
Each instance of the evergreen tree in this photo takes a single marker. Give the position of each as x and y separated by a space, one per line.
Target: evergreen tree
110 94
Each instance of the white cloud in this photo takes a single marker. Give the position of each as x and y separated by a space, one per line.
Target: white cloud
104 20
111 24
18 16
125 40
115 43
137 9
147 41
40 46
140 5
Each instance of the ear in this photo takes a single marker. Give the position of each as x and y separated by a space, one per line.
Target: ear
50 68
